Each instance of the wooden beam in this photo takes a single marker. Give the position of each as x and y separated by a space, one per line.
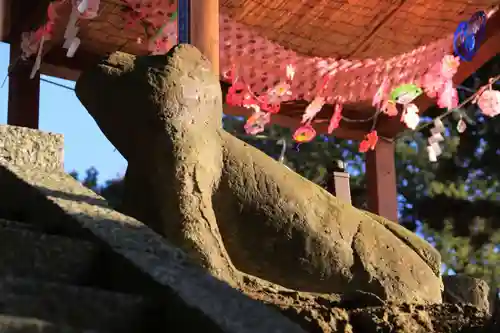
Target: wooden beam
82 59
381 181
59 72
490 47
205 29
4 19
25 15
24 93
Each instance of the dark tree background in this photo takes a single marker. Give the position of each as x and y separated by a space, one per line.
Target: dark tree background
454 203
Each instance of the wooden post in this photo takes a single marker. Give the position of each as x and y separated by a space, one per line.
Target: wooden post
24 93
381 181
4 19
205 29
339 182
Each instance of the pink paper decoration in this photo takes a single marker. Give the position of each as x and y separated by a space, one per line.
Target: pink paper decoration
336 118
313 109
87 9
489 102
369 142
438 82
256 122
304 133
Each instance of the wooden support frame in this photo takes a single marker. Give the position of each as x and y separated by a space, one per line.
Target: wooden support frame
24 92
381 181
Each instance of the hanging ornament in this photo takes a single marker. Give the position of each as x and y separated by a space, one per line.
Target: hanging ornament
38 59
437 148
405 94
71 42
279 93
304 133
389 108
469 35
431 154
290 72
29 45
438 126
448 96
87 9
336 118
33 42
369 142
439 75
380 102
489 102
410 116
461 126
434 149
313 109
75 43
449 66
437 132
379 96
257 121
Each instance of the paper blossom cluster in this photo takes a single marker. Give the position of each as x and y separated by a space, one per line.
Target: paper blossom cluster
488 100
158 20
437 83
33 42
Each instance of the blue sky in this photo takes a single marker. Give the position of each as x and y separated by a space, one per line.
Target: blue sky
61 112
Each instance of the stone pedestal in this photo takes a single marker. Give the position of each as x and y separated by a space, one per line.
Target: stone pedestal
31 148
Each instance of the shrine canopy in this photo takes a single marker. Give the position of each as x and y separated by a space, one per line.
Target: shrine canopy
349 67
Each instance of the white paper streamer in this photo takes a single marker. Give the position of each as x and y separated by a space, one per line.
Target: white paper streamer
73 47
432 154
38 60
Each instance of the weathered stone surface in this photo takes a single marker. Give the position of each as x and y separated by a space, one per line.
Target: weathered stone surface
463 289
28 147
14 324
366 314
228 205
189 291
71 305
25 252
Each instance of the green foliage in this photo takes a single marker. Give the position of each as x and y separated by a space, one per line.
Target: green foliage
112 189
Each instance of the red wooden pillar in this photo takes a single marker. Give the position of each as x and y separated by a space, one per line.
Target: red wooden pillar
381 181
24 93
205 29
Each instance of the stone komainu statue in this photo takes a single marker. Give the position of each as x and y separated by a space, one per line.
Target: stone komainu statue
233 209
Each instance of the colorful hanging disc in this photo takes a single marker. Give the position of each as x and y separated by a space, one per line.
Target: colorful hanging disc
468 36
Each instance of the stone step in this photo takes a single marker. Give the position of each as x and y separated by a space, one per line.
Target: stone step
17 225
13 324
28 252
74 306
47 226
